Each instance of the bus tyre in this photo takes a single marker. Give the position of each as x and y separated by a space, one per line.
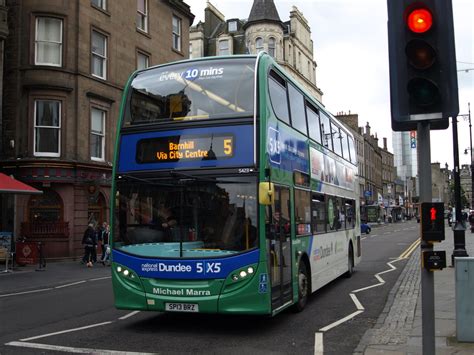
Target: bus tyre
303 287
350 263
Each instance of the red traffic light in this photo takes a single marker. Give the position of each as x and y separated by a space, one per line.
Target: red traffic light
419 20
433 214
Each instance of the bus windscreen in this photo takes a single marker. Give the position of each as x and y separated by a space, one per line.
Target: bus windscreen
192 91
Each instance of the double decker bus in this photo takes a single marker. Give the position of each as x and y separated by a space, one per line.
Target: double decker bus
234 191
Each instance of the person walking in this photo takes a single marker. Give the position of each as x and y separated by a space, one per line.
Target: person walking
89 241
105 243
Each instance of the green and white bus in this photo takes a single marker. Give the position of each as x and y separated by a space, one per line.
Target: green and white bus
234 191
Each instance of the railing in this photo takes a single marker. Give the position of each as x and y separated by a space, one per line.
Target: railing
42 230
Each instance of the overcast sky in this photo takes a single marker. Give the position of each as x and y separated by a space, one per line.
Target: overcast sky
350 49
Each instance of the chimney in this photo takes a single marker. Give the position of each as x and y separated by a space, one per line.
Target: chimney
367 129
385 143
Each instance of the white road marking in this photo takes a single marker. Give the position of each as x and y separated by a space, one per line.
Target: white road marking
318 344
357 302
131 314
360 308
363 238
340 321
101 278
374 235
73 350
25 292
71 284
53 288
66 331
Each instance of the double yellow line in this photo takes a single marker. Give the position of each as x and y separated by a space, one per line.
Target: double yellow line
406 254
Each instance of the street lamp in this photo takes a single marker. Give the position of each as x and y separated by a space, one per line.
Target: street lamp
468 116
459 229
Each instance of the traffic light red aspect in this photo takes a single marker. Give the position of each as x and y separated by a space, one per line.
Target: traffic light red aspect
432 221
423 76
419 20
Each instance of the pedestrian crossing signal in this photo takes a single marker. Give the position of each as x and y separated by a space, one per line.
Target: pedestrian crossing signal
432 221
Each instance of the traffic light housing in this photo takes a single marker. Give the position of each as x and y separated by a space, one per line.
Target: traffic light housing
423 75
432 221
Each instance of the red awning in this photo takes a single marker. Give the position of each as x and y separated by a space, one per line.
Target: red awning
10 185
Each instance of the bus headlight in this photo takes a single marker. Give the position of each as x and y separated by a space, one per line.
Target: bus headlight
243 273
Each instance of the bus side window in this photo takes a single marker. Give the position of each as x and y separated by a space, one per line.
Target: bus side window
278 97
318 214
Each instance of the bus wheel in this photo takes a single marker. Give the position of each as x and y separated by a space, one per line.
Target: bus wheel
303 287
350 263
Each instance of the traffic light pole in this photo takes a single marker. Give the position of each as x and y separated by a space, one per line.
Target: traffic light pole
427 277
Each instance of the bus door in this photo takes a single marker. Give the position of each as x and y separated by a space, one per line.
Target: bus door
279 246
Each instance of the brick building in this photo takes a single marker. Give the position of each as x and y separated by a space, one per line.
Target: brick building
66 65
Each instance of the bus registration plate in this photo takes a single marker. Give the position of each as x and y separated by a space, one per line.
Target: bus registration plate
182 307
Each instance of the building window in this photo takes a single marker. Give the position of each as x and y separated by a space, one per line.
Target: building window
259 44
224 47
190 50
142 15
272 47
143 61
176 33
99 55
97 134
232 26
101 4
48 41
47 137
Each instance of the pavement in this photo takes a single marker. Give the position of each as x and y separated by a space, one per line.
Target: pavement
399 327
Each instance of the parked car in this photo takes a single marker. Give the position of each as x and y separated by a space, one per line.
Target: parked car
365 228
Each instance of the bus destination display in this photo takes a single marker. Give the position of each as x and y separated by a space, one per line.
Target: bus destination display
185 148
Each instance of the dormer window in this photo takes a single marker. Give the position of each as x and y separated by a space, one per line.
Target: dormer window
232 26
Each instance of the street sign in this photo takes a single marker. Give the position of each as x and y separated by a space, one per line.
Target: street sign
432 221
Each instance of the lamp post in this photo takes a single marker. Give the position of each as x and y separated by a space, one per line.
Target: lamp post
468 116
459 229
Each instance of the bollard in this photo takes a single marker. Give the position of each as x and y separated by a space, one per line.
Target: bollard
41 259
464 305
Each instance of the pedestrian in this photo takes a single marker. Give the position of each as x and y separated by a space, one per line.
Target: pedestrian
100 237
105 243
89 241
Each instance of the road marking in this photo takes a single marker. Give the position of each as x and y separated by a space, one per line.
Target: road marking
72 284
101 278
363 238
406 254
359 306
25 292
340 321
73 350
66 331
318 344
53 288
357 302
131 314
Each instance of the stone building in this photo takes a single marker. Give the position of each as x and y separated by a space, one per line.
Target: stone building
388 175
351 121
373 167
66 66
288 42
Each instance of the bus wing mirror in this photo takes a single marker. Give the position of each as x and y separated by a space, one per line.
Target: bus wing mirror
265 193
